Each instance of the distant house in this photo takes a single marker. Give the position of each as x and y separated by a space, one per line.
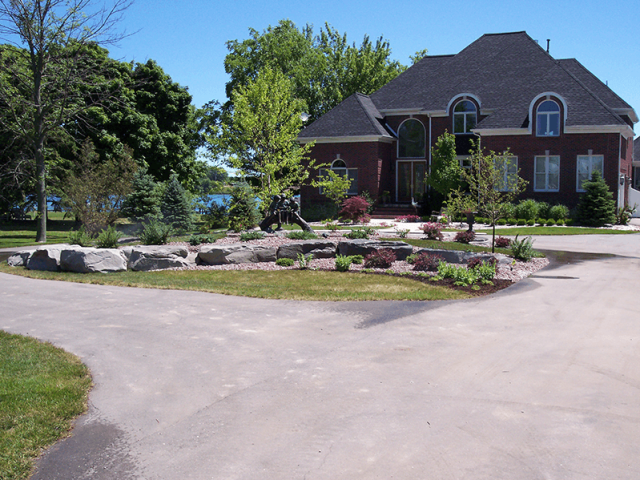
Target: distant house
557 119
636 163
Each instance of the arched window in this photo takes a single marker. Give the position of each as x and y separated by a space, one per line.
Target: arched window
339 167
465 117
548 119
411 139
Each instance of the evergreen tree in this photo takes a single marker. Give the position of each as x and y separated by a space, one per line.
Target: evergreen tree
145 198
243 208
597 206
175 206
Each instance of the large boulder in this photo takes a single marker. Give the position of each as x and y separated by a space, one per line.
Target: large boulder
236 253
317 248
365 247
19 259
156 257
45 258
91 260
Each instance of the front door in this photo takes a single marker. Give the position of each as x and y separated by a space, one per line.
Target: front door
411 184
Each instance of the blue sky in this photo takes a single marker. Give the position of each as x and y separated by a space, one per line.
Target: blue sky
187 38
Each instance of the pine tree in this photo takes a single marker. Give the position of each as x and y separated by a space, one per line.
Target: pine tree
597 206
145 199
175 206
243 208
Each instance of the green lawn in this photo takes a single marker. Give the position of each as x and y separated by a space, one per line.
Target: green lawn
42 389
281 284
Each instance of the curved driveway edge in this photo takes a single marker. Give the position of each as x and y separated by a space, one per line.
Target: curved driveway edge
541 381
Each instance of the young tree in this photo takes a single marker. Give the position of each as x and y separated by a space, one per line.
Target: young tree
493 182
446 173
95 191
334 186
175 206
596 206
48 94
262 135
144 199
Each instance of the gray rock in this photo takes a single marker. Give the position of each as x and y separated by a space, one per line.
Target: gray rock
19 259
90 260
365 247
318 248
152 257
46 258
235 253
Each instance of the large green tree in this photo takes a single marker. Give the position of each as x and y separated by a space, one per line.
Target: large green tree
52 89
262 135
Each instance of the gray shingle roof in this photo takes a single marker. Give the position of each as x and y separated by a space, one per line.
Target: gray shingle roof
505 71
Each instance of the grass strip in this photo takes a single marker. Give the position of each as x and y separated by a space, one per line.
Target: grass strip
279 284
42 389
524 231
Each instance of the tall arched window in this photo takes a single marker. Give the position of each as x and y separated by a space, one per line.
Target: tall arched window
548 119
465 117
411 139
339 167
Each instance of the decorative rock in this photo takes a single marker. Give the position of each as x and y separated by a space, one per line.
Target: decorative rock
365 247
152 257
90 260
318 248
460 257
19 259
45 258
235 253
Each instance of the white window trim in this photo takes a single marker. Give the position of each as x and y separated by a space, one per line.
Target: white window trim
548 116
464 115
425 139
546 156
590 157
506 174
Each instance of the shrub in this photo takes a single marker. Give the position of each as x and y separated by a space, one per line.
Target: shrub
80 237
354 209
486 271
464 237
357 233
285 262
155 233
502 242
522 249
357 259
461 275
596 207
501 222
511 221
407 218
382 258
304 260
343 263
527 209
245 237
549 222
243 210
217 216
559 212
476 262
144 199
531 223
521 222
301 235
623 215
108 238
199 239
426 262
568 222
402 232
411 258
432 230
444 220
332 227
544 210
508 210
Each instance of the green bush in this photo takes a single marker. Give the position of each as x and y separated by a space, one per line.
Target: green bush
108 238
544 210
343 263
285 262
216 216
155 233
559 212
527 209
461 276
176 207
200 239
243 208
522 249
508 210
549 222
301 235
521 222
568 222
596 207
357 233
357 259
511 221
245 237
531 223
80 237
501 222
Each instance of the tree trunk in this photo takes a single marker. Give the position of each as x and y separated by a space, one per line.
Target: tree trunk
41 218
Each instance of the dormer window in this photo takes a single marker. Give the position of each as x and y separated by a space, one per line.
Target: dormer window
548 119
411 139
465 117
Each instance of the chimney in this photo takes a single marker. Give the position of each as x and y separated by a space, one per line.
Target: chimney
548 42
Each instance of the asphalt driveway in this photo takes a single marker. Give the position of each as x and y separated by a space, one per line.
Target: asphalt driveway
541 381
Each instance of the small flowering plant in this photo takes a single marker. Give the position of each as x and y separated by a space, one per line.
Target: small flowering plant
432 230
407 218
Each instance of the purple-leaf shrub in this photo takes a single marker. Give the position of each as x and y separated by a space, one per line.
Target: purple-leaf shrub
426 262
354 208
465 237
382 258
503 242
432 230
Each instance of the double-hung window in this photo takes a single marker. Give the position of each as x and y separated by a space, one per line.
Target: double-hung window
547 173
508 167
587 164
339 167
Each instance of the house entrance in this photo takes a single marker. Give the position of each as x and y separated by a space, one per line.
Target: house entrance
411 184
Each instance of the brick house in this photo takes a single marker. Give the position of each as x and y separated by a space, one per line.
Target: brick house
557 119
